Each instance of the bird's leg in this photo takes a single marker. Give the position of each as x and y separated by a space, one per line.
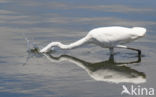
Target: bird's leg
139 51
111 58
111 51
122 46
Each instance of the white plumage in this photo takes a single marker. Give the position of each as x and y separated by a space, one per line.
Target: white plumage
106 37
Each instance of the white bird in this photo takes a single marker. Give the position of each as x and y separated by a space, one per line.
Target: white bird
105 37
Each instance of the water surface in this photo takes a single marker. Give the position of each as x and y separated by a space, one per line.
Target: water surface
82 72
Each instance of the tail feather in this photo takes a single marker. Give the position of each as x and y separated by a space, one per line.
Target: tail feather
140 31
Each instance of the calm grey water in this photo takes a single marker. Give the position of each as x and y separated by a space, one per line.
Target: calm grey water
82 72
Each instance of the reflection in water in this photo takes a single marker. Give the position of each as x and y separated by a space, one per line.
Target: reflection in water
108 71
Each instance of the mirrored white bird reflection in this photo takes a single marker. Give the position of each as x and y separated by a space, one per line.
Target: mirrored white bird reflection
107 71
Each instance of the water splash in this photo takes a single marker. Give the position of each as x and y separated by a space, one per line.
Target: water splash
31 45
32 49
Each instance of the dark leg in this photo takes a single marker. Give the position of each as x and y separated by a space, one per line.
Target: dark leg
122 46
139 51
111 51
111 58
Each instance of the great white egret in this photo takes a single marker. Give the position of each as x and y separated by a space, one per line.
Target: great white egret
106 37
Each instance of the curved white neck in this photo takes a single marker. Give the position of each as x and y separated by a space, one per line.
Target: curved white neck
62 46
